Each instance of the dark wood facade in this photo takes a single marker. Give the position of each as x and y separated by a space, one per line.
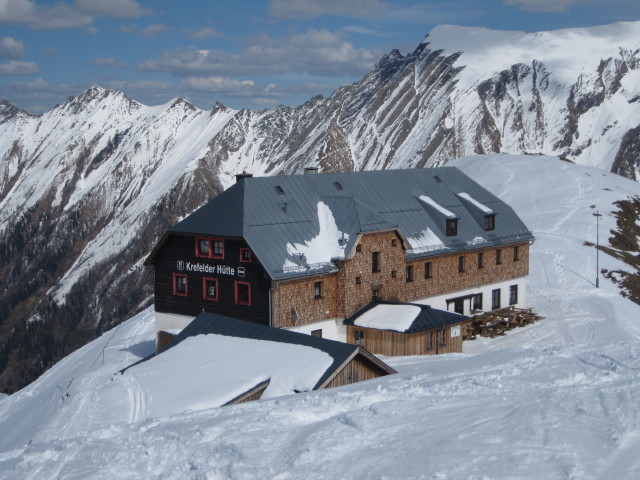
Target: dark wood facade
218 284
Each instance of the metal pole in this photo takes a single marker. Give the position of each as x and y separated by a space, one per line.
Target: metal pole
597 249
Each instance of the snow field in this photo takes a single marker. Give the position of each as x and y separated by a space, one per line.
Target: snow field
559 399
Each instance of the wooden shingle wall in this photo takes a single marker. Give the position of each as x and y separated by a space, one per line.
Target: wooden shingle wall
295 303
355 285
387 284
445 276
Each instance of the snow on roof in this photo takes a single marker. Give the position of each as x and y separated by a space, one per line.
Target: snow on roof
426 240
398 318
207 371
327 245
431 202
474 202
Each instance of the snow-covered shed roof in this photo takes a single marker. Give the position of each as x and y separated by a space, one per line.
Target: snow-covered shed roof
296 225
403 317
216 358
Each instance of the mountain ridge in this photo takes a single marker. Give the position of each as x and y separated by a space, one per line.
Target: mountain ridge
88 187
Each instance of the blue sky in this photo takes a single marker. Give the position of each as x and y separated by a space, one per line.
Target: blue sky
243 53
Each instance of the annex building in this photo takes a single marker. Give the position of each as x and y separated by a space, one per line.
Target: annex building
308 252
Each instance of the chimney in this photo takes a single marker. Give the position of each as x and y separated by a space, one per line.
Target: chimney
310 170
242 176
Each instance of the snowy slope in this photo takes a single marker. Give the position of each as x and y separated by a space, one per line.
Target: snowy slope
555 400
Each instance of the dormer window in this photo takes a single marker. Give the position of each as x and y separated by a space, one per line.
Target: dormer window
490 222
451 227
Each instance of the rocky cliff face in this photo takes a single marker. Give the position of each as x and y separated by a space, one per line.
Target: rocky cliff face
87 188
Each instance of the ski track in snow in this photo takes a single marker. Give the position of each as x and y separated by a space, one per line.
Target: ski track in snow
559 399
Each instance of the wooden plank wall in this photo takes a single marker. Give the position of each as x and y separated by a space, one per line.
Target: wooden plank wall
386 342
356 370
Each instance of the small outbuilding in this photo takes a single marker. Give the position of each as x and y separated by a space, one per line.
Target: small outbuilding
394 328
218 360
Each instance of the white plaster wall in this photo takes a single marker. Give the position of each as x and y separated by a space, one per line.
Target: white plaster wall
333 329
171 322
440 302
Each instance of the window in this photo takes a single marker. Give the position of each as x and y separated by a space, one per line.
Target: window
375 262
202 247
338 185
317 289
498 256
209 247
358 248
279 190
495 299
461 264
427 269
480 260
394 242
516 254
294 316
458 305
358 280
451 227
429 339
358 336
476 301
513 294
179 285
409 273
489 222
243 293
316 333
440 337
218 249
245 255
375 293
210 288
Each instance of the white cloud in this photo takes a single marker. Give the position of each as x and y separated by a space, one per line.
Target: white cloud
112 8
308 9
139 85
50 51
204 33
152 30
17 12
362 30
64 15
10 48
60 16
318 52
542 5
107 62
14 67
155 30
216 84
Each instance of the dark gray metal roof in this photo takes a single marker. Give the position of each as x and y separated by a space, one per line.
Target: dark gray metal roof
212 323
275 213
428 318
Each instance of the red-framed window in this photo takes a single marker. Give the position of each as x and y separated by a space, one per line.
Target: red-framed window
180 284
243 293
245 255
209 247
210 288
